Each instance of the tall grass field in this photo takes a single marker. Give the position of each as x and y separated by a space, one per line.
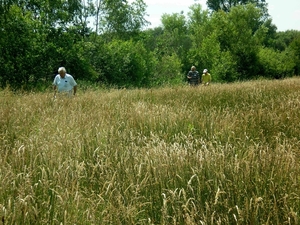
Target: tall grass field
219 154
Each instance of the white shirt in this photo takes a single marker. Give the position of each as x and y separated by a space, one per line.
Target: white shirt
65 84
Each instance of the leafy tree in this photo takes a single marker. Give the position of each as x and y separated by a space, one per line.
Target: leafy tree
295 47
52 12
241 32
174 31
167 71
17 48
208 54
226 5
35 37
175 38
42 35
224 67
151 36
121 19
199 30
270 36
275 64
284 38
207 51
124 64
287 42
198 20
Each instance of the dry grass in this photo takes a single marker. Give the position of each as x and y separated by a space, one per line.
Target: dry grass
223 154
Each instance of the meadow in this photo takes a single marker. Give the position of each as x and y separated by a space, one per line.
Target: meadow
221 154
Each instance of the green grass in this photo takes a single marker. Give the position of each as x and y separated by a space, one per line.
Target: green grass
222 154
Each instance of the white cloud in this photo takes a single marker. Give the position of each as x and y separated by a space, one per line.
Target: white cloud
285 14
296 14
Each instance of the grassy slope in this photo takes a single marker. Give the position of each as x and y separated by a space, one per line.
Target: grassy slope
223 154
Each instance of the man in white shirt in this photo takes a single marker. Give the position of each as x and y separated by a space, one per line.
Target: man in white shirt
64 83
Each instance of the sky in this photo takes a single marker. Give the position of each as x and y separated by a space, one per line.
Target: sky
285 14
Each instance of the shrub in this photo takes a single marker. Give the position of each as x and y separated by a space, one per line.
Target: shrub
276 64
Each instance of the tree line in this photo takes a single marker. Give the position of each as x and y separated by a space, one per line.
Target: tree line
108 42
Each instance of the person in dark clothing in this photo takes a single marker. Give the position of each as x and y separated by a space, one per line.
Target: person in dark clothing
193 77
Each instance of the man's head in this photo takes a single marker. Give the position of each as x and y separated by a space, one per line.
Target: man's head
205 71
193 68
62 71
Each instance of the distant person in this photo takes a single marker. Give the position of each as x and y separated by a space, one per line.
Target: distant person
206 77
64 83
193 77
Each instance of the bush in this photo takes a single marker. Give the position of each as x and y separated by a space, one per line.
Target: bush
167 71
276 64
125 63
224 68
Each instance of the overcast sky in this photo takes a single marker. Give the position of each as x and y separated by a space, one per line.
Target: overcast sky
285 13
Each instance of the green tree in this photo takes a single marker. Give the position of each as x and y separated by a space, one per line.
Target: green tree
175 39
208 54
198 21
175 30
151 36
295 47
241 32
121 19
36 37
199 30
206 49
227 43
167 71
53 13
124 64
270 34
18 43
226 5
284 38
275 64
287 43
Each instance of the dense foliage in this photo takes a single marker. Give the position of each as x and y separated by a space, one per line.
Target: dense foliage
235 40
